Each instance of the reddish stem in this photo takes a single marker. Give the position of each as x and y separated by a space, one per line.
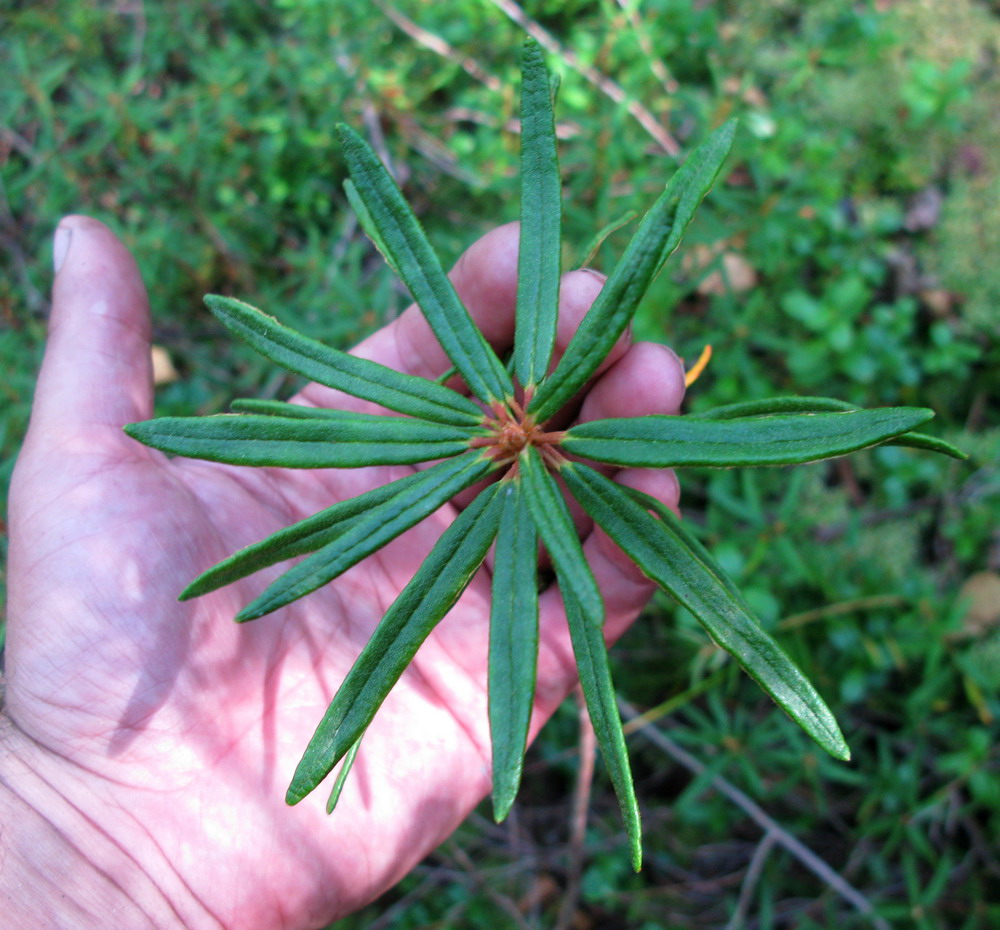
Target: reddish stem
516 408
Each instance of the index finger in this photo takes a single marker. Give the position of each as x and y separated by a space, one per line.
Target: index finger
485 278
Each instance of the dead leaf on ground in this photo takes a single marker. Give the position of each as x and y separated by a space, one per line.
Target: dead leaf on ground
163 367
981 592
735 276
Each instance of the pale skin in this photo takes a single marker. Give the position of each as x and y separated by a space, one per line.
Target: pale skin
146 744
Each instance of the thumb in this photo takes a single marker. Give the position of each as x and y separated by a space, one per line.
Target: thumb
96 375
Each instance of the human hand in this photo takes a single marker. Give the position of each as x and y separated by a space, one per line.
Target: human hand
151 740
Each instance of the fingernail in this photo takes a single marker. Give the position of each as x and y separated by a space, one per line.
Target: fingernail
60 246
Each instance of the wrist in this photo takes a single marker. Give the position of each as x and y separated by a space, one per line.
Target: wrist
62 865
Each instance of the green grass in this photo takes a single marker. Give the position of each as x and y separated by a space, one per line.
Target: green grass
204 135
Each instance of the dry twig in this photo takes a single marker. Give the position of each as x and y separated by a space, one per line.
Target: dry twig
758 815
479 882
601 81
439 46
581 805
656 65
754 870
844 607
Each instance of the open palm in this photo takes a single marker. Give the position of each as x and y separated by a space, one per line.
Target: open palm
173 730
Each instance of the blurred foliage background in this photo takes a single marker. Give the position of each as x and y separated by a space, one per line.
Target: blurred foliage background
851 250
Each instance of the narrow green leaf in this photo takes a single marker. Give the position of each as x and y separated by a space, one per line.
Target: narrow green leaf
694 180
657 236
590 253
672 557
662 441
371 531
929 444
298 539
431 593
513 655
592 664
281 408
555 526
769 406
774 405
585 614
356 376
367 223
446 376
413 259
648 502
352 440
541 211
345 770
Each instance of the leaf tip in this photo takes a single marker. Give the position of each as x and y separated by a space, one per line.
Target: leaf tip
531 54
918 416
304 781
502 804
729 127
344 133
216 303
835 744
141 431
637 856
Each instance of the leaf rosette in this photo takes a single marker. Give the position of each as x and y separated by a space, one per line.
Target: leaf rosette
501 430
